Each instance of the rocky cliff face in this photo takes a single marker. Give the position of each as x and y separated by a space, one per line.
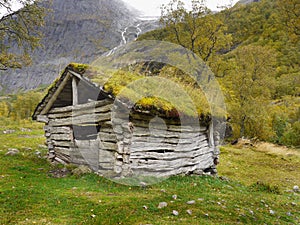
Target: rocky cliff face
247 1
75 31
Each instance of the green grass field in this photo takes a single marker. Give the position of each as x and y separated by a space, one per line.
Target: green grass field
257 191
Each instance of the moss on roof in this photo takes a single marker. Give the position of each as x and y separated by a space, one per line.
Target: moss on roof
169 93
165 93
79 68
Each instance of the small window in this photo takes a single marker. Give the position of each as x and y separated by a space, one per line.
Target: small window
86 132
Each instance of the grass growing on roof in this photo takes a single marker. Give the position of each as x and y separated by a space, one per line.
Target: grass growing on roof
163 93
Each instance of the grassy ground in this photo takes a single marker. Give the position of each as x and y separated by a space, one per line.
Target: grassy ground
29 194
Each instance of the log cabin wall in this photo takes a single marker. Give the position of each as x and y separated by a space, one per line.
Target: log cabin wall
89 134
82 134
147 147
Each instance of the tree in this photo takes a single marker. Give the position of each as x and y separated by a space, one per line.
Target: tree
252 85
18 32
197 30
290 13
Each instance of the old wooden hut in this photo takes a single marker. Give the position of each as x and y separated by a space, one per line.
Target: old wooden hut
80 128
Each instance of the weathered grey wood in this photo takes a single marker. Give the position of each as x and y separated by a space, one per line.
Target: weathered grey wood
63 157
42 119
109 146
172 155
58 130
172 164
107 130
62 143
144 147
211 134
175 132
78 160
51 156
61 137
161 139
89 149
77 120
106 156
106 124
106 167
74 91
163 173
86 106
64 151
60 160
55 95
50 146
107 137
89 111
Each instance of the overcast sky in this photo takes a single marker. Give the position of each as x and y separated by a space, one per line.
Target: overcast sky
152 7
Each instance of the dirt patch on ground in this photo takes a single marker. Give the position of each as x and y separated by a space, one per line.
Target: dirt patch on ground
276 149
266 147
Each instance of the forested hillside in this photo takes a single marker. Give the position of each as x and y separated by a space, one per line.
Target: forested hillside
254 51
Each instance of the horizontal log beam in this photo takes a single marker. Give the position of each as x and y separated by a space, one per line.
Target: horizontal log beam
173 164
85 111
145 147
61 137
80 107
58 130
84 119
171 155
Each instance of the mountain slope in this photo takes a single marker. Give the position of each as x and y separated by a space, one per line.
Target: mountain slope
75 30
247 1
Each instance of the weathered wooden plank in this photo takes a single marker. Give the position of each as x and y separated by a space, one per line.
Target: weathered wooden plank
86 106
60 160
118 129
89 149
106 156
171 155
109 146
170 172
61 137
211 135
107 137
162 139
139 131
42 119
172 164
57 143
88 111
105 166
144 147
106 124
79 160
51 155
63 157
84 119
58 130
74 91
64 151
55 95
